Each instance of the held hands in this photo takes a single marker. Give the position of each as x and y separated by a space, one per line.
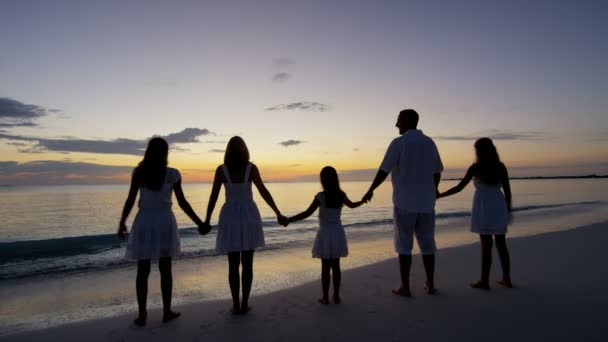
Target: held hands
204 228
122 231
282 220
368 196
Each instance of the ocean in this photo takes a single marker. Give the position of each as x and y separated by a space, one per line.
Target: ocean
50 231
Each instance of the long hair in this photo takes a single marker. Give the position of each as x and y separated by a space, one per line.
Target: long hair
237 154
151 171
334 196
488 165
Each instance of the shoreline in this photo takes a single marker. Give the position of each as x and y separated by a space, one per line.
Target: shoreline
291 313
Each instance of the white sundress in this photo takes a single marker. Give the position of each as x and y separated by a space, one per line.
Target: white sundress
240 224
154 232
490 214
330 242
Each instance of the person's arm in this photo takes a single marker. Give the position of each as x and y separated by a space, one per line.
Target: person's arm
380 177
257 180
506 188
437 180
438 168
350 204
305 214
461 185
185 205
129 203
390 161
215 192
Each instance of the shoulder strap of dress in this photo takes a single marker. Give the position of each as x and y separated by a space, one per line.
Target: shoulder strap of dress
226 174
247 173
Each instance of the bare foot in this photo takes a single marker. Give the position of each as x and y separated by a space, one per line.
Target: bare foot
430 290
480 285
245 308
337 299
324 301
402 292
171 315
140 321
506 283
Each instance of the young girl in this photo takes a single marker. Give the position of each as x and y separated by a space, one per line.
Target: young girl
240 225
154 232
491 209
330 243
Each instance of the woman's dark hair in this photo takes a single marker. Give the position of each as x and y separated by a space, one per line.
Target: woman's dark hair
237 154
334 196
488 167
151 171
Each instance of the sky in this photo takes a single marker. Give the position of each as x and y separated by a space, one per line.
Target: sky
84 84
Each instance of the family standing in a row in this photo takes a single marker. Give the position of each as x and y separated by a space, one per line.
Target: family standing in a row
415 166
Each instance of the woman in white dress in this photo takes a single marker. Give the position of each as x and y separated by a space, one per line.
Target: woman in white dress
240 225
154 233
491 209
330 243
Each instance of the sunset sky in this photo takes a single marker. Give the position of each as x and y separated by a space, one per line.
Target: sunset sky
83 84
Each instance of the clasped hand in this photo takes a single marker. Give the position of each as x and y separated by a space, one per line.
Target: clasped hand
282 220
204 228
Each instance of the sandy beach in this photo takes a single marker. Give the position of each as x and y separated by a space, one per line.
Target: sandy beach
560 296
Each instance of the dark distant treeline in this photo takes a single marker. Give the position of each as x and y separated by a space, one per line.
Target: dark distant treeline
553 177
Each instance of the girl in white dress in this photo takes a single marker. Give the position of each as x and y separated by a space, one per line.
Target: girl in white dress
154 231
240 225
330 243
491 209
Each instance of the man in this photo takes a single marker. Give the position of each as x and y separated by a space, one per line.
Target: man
416 169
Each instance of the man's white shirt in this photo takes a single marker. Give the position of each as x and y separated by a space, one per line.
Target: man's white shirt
412 159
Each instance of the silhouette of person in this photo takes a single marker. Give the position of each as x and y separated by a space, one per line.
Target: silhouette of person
154 232
330 242
491 209
240 225
415 165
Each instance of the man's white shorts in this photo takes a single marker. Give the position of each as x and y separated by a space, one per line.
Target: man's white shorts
422 225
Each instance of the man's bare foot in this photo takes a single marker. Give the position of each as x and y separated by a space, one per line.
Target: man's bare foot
140 321
169 316
506 283
480 285
430 290
402 292
337 299
324 301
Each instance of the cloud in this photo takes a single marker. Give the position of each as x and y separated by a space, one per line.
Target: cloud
497 135
291 142
356 149
116 146
18 114
310 106
188 135
281 77
60 172
217 150
283 62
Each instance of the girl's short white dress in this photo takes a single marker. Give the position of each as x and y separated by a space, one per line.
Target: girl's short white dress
154 232
490 214
240 224
330 242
